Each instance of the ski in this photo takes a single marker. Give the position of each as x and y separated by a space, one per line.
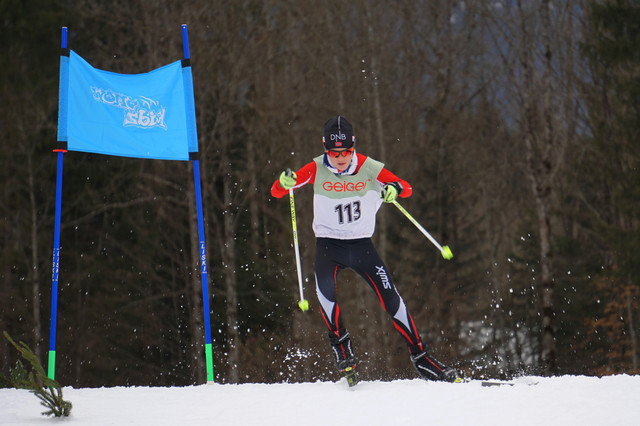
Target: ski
350 375
487 384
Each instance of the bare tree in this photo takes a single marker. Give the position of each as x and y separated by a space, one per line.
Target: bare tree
537 58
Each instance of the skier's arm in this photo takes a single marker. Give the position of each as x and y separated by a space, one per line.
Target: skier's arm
305 175
386 176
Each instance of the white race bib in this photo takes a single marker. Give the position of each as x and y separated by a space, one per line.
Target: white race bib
345 206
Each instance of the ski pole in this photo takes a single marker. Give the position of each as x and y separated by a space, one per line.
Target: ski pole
302 303
444 250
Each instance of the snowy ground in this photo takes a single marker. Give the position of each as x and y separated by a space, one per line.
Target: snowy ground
567 400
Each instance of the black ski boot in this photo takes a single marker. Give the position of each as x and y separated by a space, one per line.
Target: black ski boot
430 368
343 353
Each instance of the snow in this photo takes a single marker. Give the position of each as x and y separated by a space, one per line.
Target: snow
564 400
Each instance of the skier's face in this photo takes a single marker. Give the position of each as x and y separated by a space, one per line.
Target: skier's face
340 158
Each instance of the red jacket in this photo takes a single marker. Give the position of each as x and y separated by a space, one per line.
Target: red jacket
307 174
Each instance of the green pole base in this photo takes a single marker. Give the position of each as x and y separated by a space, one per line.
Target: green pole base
51 368
208 352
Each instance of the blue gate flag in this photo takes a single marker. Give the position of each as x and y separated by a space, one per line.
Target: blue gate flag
131 115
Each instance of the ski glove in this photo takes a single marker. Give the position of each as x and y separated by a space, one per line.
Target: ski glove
390 191
287 179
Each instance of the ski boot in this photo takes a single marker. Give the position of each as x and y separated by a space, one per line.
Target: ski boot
430 368
343 353
351 376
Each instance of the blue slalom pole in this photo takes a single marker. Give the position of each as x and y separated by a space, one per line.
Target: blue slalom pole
185 42
208 347
62 138
193 153
56 268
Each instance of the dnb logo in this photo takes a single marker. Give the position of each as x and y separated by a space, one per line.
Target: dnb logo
338 138
140 112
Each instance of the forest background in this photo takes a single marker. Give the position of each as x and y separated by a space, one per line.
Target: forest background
516 123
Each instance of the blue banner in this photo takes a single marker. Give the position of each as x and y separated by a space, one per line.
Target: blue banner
131 115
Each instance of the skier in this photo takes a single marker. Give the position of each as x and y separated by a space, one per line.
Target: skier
349 188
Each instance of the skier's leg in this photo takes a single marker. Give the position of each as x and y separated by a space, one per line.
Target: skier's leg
326 275
327 268
370 266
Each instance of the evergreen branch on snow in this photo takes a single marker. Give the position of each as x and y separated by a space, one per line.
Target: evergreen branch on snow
37 382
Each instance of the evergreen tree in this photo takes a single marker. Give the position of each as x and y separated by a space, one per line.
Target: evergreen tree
614 106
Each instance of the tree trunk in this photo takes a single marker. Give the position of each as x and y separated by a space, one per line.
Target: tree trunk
539 141
35 269
229 264
632 329
546 276
378 138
